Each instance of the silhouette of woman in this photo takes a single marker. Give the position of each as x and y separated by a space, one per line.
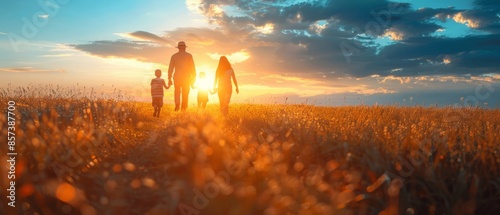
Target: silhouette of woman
223 77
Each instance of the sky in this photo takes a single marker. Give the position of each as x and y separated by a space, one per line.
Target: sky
337 52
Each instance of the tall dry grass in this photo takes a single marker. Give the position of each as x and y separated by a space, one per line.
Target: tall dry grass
261 159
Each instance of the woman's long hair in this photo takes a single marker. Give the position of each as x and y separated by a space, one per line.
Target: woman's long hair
223 66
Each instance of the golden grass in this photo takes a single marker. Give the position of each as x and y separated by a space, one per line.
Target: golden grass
83 155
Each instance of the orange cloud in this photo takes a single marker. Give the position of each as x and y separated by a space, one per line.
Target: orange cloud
268 28
471 23
28 70
236 57
394 35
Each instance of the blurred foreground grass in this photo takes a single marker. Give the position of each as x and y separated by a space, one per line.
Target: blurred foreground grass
85 155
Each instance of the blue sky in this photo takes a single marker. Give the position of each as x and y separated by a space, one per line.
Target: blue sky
82 21
384 51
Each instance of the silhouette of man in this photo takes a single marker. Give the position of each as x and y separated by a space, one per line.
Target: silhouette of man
184 75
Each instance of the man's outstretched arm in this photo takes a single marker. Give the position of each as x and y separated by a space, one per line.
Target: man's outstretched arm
171 67
193 70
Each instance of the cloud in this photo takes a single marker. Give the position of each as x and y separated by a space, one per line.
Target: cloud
149 47
268 28
57 55
473 55
28 70
402 80
296 44
151 37
236 57
324 40
483 17
470 22
446 60
125 49
422 90
193 5
394 34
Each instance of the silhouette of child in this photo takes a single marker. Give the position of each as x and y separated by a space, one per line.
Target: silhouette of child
157 85
203 88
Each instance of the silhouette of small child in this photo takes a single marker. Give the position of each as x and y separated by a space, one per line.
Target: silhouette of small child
157 85
203 88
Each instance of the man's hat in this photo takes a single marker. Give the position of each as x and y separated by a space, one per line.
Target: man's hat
181 44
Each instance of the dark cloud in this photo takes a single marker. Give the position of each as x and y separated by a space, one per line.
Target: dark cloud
319 39
357 14
298 49
485 16
125 49
477 59
493 28
430 47
151 37
468 55
417 23
409 29
158 49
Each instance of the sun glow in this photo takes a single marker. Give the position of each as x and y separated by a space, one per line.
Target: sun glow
203 84
236 57
268 28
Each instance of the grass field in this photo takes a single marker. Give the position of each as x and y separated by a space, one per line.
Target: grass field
109 156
